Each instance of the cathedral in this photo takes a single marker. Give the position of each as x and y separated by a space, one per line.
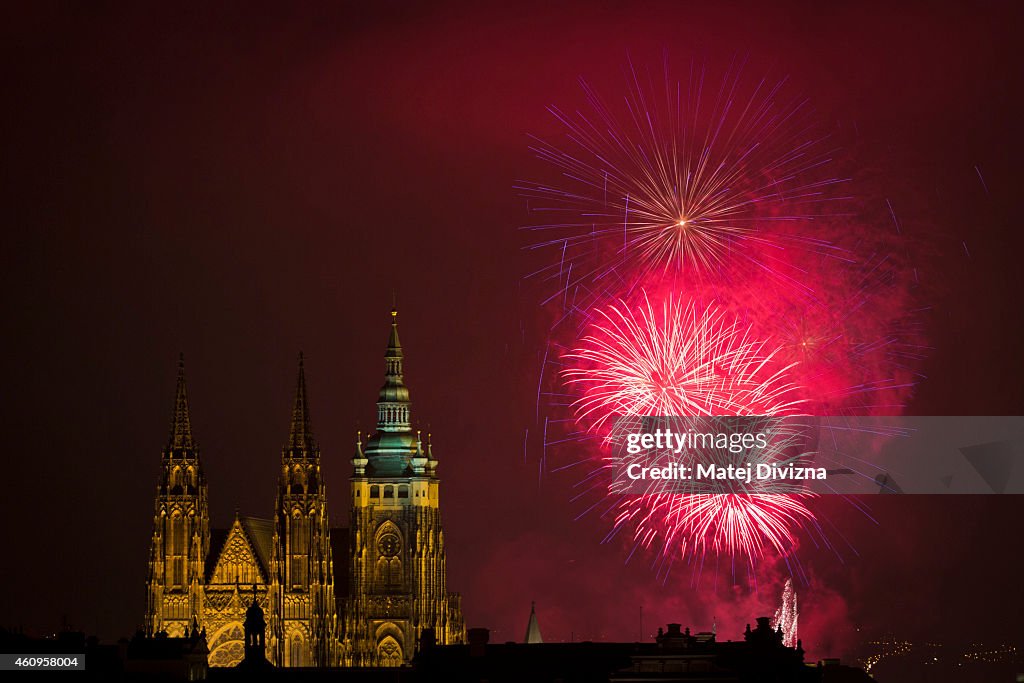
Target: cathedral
362 596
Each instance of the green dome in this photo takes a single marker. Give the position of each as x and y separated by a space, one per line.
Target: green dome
391 443
390 453
393 392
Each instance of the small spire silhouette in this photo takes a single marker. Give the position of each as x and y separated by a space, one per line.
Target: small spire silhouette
533 628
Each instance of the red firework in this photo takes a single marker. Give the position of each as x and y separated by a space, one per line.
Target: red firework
687 360
717 194
726 523
681 360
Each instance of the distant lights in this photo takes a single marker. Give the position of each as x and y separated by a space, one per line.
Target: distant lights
981 653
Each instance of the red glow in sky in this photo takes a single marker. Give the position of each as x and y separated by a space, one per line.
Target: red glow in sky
244 185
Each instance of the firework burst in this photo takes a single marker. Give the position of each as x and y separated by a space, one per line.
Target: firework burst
679 359
688 362
721 517
696 191
695 182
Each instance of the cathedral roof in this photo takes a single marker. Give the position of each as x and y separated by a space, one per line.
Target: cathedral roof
261 535
392 443
390 454
217 539
391 450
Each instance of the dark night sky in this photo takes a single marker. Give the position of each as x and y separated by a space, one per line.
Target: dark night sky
242 184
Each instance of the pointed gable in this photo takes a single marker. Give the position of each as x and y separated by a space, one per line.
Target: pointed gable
244 555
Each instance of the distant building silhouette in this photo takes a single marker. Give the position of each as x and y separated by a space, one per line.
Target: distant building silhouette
675 655
161 656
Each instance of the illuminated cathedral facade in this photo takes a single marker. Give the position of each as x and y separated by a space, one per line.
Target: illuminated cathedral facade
362 596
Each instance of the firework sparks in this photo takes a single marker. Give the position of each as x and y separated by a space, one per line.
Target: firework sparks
680 360
731 517
786 616
691 182
684 360
692 192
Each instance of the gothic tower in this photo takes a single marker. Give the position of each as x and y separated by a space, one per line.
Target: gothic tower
181 528
397 586
304 621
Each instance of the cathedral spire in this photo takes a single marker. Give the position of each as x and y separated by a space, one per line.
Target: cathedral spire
393 399
300 436
181 424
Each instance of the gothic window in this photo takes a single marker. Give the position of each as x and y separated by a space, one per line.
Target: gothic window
178 566
300 534
374 492
403 491
296 652
389 652
298 480
177 548
298 571
299 550
389 545
176 480
389 491
395 573
389 561
228 647
177 534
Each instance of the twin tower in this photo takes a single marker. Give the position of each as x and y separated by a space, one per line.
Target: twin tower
362 596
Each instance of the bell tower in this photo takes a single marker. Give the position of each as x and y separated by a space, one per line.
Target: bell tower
304 623
398 586
181 528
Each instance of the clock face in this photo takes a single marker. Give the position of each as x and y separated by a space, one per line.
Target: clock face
389 545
